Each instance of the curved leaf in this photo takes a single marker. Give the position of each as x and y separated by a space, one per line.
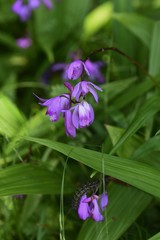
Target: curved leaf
135 173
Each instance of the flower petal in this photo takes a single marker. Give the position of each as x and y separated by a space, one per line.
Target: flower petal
34 3
48 3
103 201
84 87
83 116
95 211
83 209
94 93
77 91
90 110
95 86
75 117
70 129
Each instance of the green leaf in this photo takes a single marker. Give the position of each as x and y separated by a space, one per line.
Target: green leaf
131 94
141 26
127 149
135 173
150 107
119 216
135 147
154 62
125 205
148 147
10 117
7 40
30 179
112 89
155 237
96 19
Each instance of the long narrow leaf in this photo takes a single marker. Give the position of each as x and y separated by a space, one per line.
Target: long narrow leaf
30 179
150 107
135 173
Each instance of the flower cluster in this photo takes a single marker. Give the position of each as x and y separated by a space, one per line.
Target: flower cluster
87 203
77 112
24 10
92 207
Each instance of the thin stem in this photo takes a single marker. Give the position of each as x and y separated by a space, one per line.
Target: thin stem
126 56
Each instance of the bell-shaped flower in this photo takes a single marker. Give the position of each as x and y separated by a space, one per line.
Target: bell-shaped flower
94 70
70 128
75 69
56 105
83 115
83 87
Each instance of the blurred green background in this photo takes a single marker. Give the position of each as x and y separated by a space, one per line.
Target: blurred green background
36 186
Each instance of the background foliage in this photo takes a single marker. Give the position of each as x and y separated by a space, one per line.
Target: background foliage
123 142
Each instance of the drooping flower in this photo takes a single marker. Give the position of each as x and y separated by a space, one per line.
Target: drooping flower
83 115
92 207
75 69
24 42
83 87
94 70
56 106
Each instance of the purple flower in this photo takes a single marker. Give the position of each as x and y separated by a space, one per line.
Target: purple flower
89 207
83 115
94 211
103 200
75 70
83 209
48 3
94 70
56 105
83 87
24 42
70 128
23 11
34 3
